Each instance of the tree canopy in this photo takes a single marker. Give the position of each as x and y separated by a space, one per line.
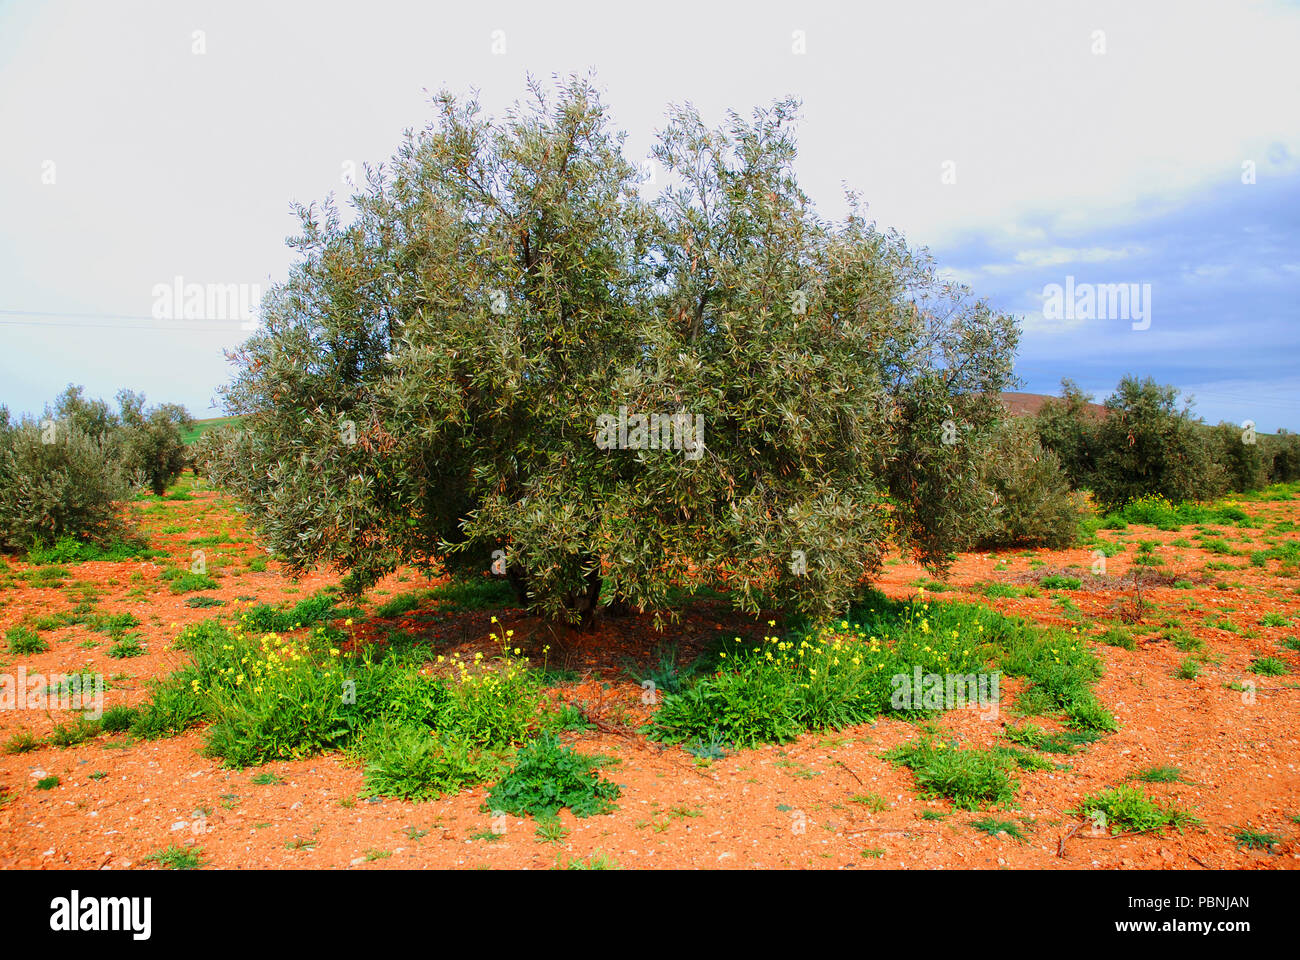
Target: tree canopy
433 378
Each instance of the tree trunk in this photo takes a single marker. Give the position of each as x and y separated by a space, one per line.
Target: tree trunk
582 602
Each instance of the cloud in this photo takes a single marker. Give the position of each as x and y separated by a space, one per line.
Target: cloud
1222 270
171 163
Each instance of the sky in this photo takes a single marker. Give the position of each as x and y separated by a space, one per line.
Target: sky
1037 149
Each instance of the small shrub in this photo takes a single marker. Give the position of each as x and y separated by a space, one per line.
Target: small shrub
1183 640
1249 838
548 777
128 646
22 742
25 641
550 830
118 719
969 778
663 675
412 762
1128 808
1058 582
174 708
178 858
74 732
1268 667
993 827
192 582
1118 637
1031 502
73 487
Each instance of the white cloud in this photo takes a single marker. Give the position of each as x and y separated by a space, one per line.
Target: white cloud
171 163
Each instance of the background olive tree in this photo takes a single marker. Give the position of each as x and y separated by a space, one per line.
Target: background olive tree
151 441
71 472
1030 499
1150 444
57 480
429 379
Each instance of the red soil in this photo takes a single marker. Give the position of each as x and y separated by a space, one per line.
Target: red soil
771 807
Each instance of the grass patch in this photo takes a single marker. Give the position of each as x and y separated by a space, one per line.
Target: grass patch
1156 511
24 641
178 858
1268 667
414 763
1250 839
128 646
305 613
596 861
548 777
270 697
1127 808
1059 742
1183 641
1058 582
968 778
74 732
842 673
1118 637
1165 774
872 801
993 827
118 719
22 742
193 582
70 550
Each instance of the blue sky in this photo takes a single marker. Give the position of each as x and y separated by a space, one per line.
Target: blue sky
1023 143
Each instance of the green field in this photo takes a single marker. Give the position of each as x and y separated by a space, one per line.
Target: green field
203 426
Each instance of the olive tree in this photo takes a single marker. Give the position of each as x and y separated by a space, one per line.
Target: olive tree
151 440
1150 444
56 480
514 355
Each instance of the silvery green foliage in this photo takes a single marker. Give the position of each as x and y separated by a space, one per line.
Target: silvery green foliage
1246 459
1068 427
1282 456
1031 503
502 284
71 486
1150 444
150 440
